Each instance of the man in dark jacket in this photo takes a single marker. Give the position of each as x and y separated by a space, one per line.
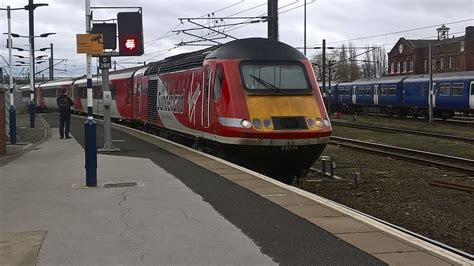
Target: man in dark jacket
64 106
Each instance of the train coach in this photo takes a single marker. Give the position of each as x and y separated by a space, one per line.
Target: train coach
408 95
255 101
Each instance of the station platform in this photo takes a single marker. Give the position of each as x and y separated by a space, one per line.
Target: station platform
160 203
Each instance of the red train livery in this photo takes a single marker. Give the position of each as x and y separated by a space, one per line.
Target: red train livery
254 100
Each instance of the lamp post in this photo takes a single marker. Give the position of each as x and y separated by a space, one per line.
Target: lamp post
430 94
31 8
431 89
51 59
32 104
304 28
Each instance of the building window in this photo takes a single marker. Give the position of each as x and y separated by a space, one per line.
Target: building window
462 46
404 66
433 64
426 65
411 66
392 67
451 62
441 63
398 66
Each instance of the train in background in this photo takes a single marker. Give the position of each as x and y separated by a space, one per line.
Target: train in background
255 101
406 95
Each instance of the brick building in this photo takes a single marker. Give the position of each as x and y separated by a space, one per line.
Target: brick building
410 57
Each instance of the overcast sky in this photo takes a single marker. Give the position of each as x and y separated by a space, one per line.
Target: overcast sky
333 20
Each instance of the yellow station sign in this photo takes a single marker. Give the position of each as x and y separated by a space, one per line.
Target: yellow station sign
89 43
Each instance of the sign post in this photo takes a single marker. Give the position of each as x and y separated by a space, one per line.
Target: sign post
104 65
89 44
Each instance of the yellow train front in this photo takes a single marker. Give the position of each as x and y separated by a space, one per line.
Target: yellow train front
266 109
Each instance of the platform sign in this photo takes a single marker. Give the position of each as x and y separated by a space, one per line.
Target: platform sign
105 62
89 43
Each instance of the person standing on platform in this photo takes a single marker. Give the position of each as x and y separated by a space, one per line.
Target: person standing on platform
64 103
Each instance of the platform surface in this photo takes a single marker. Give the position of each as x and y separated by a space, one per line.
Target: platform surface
184 208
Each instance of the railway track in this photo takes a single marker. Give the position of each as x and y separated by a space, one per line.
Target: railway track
402 130
460 187
433 159
452 121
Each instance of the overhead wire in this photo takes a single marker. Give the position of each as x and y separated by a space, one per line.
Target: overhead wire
397 32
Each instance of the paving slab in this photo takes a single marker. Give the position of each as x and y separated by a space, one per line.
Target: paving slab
418 258
235 175
342 224
20 248
376 242
289 200
312 210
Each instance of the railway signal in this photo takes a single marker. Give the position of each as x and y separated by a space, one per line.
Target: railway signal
130 33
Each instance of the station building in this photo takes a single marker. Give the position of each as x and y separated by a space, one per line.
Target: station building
410 57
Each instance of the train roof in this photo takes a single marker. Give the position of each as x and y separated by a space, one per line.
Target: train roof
442 76
58 82
256 49
382 80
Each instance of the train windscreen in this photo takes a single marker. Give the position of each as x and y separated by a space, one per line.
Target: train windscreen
262 77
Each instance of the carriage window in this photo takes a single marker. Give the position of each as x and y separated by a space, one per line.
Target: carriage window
384 90
218 83
274 77
444 89
392 90
472 88
458 89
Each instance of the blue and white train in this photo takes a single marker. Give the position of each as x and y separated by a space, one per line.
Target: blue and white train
407 95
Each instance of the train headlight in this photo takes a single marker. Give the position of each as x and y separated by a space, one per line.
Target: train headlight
310 122
245 123
327 123
267 123
256 123
319 122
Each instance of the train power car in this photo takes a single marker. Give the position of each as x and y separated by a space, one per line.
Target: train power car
255 101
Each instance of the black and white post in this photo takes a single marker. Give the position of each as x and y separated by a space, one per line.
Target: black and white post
90 125
12 111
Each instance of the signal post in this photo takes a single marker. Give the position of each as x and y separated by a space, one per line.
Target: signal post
103 36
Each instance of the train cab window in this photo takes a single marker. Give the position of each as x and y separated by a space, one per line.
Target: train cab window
444 89
218 83
274 77
472 89
457 89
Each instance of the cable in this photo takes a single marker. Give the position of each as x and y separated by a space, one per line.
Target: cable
398 32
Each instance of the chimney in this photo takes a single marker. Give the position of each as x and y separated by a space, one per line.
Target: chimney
470 33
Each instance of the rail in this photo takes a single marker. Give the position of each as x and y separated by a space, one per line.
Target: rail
440 160
402 130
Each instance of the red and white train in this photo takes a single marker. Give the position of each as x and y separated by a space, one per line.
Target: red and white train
256 100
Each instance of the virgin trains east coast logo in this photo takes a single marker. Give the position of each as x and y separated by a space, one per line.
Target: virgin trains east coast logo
169 102
193 97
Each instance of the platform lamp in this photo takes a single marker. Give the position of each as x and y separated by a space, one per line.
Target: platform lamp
12 110
431 89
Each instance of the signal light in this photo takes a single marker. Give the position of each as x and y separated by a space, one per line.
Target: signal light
130 33
130 44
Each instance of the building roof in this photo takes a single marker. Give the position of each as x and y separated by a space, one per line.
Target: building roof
424 43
